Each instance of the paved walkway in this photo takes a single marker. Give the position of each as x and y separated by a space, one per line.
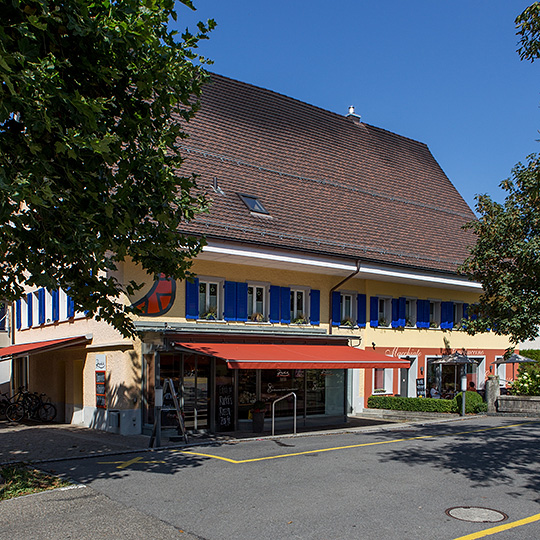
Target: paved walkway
39 442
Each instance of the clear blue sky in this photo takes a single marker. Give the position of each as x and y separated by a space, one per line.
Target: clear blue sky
444 73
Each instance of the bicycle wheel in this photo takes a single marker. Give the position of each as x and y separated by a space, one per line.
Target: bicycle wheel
15 412
47 412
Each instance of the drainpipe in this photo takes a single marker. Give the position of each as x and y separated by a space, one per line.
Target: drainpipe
334 288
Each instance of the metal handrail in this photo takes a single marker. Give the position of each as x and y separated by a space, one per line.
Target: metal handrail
274 410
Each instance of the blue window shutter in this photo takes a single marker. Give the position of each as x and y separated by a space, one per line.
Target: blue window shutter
315 306
374 311
18 318
401 312
230 303
361 310
395 312
30 312
70 312
447 315
336 308
241 302
41 306
274 303
465 311
422 313
55 305
285 294
192 299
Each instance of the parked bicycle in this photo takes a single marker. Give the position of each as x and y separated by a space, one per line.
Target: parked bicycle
31 405
6 400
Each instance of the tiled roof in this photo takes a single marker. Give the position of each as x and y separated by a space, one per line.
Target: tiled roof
331 186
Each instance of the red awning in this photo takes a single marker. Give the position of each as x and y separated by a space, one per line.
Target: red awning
273 356
25 349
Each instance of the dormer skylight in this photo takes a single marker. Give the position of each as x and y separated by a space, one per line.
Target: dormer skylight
253 204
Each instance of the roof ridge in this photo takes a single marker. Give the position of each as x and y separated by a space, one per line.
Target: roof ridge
305 103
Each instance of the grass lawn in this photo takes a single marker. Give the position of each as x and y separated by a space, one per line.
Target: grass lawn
17 480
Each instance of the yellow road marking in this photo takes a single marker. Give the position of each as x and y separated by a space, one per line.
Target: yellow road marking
500 528
266 458
125 464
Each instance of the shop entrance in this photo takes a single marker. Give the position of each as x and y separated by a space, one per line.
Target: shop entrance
190 374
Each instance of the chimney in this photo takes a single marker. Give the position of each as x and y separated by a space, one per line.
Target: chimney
353 117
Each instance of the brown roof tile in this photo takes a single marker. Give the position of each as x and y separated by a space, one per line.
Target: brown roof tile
331 186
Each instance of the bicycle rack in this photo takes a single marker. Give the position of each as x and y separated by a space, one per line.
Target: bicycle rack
274 410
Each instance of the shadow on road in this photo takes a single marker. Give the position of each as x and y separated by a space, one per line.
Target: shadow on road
485 455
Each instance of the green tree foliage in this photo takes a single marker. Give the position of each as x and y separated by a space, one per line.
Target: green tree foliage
94 97
506 257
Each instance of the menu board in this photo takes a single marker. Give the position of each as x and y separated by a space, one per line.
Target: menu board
420 387
101 390
225 415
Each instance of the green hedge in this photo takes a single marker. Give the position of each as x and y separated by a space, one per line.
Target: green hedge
473 404
397 403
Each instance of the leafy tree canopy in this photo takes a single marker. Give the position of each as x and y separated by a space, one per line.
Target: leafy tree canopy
506 257
93 100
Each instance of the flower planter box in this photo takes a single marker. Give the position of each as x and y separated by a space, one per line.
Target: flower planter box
519 404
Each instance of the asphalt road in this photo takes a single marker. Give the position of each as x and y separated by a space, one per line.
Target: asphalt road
394 484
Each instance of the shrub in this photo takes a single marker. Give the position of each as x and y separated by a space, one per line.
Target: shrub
526 384
397 403
473 402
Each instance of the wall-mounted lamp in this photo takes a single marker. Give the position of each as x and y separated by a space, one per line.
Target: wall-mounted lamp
373 345
491 368
421 370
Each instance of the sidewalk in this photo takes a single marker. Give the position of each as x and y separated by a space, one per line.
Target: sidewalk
49 442
42 442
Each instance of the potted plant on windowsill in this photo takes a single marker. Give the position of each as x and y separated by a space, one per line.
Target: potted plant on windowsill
256 317
210 315
258 408
301 319
383 322
347 321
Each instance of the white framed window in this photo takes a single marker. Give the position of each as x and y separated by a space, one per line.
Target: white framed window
348 308
48 307
501 372
210 298
385 312
434 313
24 312
257 301
299 305
383 381
3 317
458 314
410 312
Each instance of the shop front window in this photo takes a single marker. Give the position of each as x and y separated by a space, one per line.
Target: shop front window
247 392
276 383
